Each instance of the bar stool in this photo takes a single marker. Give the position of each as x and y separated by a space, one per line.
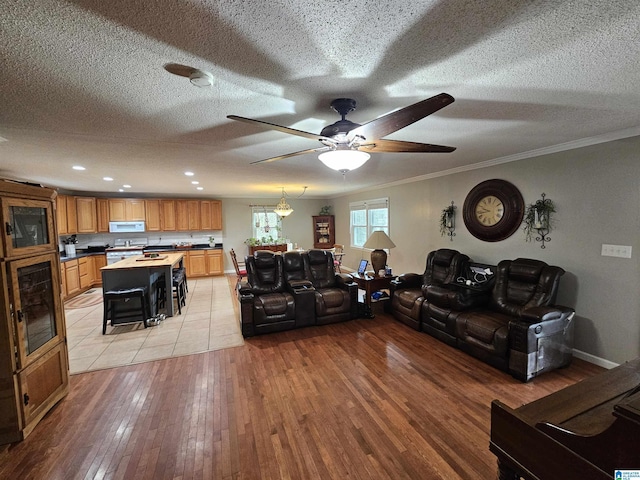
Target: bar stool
115 298
179 287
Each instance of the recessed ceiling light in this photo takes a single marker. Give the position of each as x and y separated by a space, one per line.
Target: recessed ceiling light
189 174
126 186
78 167
120 190
107 179
199 188
195 182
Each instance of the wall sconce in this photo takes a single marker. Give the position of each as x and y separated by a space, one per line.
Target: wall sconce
448 221
538 219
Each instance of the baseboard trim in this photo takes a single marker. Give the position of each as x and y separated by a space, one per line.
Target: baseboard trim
587 357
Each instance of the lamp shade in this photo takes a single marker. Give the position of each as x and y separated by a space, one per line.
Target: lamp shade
344 160
377 241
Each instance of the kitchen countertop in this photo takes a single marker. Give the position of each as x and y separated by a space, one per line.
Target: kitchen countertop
149 248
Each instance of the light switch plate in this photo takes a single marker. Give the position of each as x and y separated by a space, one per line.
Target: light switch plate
622 251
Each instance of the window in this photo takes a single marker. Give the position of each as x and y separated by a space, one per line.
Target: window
266 224
367 217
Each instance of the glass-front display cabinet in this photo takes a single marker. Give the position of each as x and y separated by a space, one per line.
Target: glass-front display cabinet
34 368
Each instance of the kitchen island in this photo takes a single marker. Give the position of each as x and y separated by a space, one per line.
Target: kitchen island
146 271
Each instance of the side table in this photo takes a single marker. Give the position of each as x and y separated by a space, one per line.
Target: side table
371 284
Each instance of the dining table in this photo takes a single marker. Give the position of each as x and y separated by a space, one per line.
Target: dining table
145 271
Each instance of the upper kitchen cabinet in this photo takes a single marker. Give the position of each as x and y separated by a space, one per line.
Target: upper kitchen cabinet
102 211
210 215
168 215
126 209
87 221
153 211
67 215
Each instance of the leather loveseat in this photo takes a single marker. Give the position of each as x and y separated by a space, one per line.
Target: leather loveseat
292 290
503 315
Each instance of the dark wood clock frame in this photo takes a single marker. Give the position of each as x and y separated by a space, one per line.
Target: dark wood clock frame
512 202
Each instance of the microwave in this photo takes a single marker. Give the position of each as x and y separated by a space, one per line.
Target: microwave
126 227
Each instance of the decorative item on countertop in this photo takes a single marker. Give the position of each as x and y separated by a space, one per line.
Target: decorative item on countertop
537 218
326 210
378 241
448 221
212 242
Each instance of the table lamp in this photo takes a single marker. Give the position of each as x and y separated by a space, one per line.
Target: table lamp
377 241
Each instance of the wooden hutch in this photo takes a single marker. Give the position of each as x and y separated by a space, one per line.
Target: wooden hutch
34 371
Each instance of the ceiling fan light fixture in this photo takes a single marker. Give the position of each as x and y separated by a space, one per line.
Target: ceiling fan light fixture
201 79
344 160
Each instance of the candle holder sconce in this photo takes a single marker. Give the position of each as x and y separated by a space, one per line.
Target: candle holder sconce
537 220
448 221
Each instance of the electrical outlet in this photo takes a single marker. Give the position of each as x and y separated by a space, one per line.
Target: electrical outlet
621 251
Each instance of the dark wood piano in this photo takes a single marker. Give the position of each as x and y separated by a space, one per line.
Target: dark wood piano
585 431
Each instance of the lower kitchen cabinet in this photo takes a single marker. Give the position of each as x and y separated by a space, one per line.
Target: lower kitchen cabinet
72 277
214 262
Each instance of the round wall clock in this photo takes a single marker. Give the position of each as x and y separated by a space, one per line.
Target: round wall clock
493 210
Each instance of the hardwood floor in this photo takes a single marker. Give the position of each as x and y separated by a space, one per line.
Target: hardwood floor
366 399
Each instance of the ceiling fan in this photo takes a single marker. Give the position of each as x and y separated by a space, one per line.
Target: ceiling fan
348 139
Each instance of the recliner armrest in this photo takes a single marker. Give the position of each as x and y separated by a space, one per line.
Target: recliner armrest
345 281
244 292
297 285
545 313
407 280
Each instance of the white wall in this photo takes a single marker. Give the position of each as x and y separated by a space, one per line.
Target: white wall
596 190
236 223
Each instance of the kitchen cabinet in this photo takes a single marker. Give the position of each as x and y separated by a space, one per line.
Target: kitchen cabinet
63 282
102 212
152 215
210 215
324 235
168 215
86 272
67 216
214 262
34 374
86 216
72 277
193 212
196 264
126 209
182 215
99 261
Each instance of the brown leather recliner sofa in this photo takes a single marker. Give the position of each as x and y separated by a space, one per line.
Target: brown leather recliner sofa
292 290
503 315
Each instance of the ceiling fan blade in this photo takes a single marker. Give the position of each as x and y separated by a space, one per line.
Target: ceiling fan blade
387 124
390 146
287 155
280 128
177 69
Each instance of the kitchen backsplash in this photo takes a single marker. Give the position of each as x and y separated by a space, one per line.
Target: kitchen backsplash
154 238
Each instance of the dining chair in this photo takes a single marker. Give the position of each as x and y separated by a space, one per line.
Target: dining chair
338 253
241 270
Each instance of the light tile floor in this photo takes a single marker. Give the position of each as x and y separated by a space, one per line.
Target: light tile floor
210 321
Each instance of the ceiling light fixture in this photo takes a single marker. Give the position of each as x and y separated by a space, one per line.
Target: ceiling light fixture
189 174
344 160
283 209
201 79
107 179
78 167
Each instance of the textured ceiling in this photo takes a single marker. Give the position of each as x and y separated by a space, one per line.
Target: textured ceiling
82 82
